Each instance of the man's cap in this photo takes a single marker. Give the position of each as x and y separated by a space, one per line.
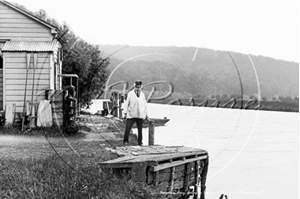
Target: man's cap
138 83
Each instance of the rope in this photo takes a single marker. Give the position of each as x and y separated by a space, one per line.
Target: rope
57 152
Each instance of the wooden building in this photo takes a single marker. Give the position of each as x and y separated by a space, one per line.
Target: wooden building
30 57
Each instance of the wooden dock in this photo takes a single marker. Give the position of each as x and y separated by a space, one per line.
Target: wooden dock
171 169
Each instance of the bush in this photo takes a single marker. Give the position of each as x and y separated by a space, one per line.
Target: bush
71 128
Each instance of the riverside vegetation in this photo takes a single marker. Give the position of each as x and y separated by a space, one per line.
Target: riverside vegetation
48 164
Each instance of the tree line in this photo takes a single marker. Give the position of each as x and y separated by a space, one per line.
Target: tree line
80 58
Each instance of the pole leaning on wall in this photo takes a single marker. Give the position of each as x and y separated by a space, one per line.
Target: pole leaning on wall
25 91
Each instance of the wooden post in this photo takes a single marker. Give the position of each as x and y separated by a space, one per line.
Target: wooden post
203 177
151 132
25 91
77 97
171 183
186 177
117 104
196 189
64 110
120 106
156 178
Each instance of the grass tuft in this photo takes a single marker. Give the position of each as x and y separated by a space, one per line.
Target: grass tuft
53 178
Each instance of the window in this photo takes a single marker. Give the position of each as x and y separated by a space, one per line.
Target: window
1 61
1 54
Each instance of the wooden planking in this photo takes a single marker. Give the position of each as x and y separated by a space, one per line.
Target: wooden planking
41 87
9 15
57 105
38 89
172 178
157 150
20 65
176 163
156 154
20 98
18 26
16 21
23 54
16 77
6 10
21 92
13 15
165 156
127 161
30 76
186 182
170 175
27 38
29 81
164 175
10 61
19 104
23 71
178 184
23 30
23 34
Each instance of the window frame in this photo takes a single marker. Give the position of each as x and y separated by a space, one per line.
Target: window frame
2 43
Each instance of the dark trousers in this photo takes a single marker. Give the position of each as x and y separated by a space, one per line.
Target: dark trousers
129 124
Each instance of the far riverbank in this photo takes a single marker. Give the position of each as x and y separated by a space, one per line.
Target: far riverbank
290 106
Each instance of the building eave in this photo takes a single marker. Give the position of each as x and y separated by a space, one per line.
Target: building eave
53 28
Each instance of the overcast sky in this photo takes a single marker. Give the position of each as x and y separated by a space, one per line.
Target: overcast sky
258 27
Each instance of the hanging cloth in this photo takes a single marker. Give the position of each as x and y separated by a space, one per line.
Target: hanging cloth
44 115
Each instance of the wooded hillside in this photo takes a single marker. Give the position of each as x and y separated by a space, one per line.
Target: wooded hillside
196 71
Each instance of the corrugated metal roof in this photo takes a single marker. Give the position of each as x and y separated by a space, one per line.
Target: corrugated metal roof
30 46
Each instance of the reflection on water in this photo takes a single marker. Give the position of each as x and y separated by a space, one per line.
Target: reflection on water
253 154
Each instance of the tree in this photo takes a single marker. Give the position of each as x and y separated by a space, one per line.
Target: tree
82 59
235 96
288 99
253 97
264 98
224 97
281 98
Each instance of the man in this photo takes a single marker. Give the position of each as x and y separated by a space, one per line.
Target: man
135 110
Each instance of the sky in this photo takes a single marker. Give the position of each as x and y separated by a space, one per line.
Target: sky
257 27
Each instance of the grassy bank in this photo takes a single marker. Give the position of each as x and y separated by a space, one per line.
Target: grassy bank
44 163
72 178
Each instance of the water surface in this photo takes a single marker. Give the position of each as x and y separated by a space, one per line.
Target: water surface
253 154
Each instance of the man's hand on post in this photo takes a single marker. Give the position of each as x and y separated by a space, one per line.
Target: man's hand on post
147 118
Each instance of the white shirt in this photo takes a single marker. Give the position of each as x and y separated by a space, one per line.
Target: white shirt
135 107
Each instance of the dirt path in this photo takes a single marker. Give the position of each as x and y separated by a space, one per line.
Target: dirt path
99 134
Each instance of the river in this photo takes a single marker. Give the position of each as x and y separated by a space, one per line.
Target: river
253 154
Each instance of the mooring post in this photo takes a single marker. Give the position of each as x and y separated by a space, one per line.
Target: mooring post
151 132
